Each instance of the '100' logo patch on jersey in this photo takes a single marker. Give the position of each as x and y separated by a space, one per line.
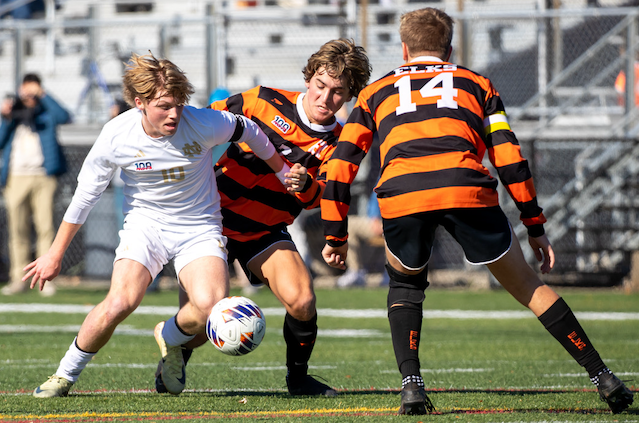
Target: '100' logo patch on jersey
281 124
143 166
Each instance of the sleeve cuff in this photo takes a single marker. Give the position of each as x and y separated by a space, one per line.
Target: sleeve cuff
535 231
334 243
308 184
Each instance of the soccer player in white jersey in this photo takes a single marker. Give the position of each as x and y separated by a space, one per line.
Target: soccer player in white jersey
172 211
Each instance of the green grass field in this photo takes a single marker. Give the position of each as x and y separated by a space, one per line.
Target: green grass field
478 366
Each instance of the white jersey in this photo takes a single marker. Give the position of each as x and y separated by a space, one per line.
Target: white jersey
169 179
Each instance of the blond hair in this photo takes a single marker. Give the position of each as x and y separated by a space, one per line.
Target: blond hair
341 58
145 77
427 30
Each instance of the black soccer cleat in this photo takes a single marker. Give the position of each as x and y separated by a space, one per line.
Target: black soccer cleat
614 392
307 385
159 384
415 401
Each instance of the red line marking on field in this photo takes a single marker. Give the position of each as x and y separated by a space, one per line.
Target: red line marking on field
346 391
142 416
89 417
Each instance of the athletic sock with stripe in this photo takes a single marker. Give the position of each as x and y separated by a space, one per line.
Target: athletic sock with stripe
560 321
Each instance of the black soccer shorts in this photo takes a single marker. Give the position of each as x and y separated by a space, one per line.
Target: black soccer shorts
483 233
246 251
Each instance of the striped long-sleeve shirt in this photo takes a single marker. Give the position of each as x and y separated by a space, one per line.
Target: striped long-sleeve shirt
254 202
435 121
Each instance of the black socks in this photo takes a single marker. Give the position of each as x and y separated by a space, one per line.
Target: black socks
300 339
560 321
406 325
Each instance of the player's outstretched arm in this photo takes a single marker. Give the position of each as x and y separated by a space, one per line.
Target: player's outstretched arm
47 267
543 252
335 256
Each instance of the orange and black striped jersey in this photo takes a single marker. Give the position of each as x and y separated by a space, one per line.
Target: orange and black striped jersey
435 122
253 200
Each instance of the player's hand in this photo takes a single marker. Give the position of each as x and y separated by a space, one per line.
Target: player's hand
42 270
296 178
543 252
335 256
6 107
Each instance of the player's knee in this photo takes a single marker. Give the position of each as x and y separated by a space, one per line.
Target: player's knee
203 306
303 312
118 308
303 307
404 289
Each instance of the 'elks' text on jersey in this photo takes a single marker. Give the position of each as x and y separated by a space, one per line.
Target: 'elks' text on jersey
435 121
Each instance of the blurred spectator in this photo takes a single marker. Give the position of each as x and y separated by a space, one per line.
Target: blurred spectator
620 86
119 106
220 93
364 231
31 161
620 81
33 10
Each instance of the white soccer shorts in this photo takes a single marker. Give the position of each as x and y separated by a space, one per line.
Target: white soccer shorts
154 245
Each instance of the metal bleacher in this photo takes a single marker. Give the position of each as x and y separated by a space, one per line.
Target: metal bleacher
554 68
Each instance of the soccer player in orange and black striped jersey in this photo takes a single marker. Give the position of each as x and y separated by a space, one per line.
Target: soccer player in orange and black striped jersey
436 121
256 211
253 205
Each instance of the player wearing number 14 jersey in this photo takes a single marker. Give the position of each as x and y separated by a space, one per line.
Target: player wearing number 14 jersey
436 121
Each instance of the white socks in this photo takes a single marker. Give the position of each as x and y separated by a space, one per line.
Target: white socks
172 335
73 362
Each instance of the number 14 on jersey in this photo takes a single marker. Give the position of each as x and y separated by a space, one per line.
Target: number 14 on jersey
440 86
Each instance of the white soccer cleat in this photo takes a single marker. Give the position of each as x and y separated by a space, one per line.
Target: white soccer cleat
171 366
55 386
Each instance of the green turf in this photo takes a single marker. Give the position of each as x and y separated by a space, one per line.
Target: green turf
477 370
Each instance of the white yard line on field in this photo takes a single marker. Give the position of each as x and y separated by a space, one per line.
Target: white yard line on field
130 330
326 312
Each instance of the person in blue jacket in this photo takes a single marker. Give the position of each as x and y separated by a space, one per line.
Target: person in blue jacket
32 159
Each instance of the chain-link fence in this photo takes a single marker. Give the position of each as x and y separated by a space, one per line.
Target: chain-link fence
556 69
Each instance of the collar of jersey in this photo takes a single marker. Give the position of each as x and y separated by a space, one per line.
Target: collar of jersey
426 59
313 126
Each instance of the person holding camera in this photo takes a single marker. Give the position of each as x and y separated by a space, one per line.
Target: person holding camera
32 159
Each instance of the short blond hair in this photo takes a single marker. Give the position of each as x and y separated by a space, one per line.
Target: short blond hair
145 77
341 58
426 30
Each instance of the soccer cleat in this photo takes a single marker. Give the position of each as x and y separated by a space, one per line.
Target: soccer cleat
307 385
171 366
414 400
55 386
159 385
614 392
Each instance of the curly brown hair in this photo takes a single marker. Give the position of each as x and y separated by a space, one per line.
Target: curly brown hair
341 58
145 77
426 30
